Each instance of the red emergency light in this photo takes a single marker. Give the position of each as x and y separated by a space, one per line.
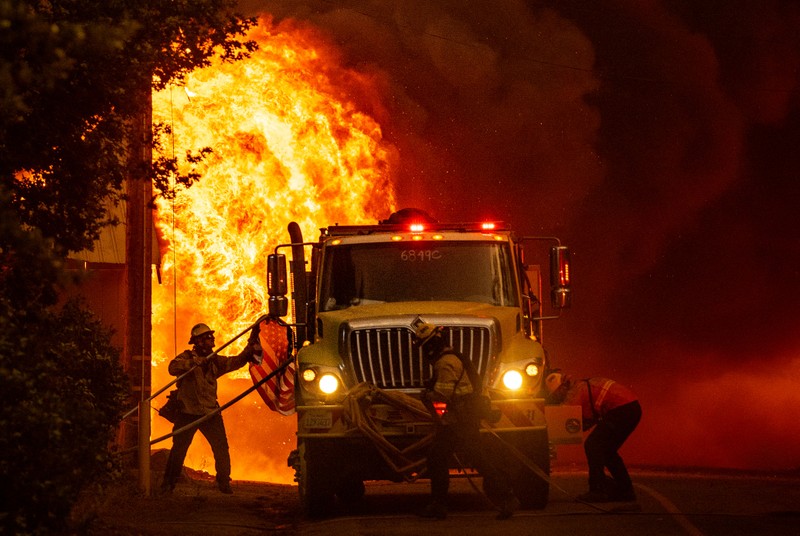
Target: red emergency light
561 267
488 226
416 227
561 293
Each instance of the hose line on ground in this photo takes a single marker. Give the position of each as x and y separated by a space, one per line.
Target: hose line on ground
410 462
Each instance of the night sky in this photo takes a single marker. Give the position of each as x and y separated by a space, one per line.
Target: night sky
659 140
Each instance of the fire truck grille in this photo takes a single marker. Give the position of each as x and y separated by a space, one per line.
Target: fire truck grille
386 357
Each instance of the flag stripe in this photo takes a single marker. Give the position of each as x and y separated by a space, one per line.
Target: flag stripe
278 391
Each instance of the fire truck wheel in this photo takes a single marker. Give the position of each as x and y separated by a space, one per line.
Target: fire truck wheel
313 482
530 488
350 490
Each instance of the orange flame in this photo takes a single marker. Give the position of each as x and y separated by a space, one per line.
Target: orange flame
290 144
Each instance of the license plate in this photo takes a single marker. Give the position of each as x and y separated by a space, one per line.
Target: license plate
318 418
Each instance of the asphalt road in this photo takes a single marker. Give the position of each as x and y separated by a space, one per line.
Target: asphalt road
669 503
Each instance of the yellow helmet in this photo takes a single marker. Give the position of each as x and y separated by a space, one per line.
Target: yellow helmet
197 330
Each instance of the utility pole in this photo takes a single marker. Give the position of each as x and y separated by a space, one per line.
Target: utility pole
138 286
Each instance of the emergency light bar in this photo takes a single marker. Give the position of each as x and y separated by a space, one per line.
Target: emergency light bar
479 227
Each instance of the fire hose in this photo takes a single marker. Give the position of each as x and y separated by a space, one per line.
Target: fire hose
530 464
407 462
214 353
280 368
220 409
410 462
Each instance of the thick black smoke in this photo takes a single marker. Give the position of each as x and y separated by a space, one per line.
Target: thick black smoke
659 140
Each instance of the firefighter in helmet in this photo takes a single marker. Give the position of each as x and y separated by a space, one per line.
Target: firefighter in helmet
197 394
456 384
613 411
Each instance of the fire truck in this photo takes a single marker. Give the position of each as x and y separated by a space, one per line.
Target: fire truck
355 303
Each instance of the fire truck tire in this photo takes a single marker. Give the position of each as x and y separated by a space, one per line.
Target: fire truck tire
350 490
530 488
314 484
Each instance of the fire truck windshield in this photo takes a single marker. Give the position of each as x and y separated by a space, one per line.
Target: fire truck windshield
362 274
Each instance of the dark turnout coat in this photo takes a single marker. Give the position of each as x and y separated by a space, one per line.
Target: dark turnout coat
198 390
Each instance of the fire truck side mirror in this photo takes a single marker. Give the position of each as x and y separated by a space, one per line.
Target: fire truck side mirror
560 287
278 306
277 285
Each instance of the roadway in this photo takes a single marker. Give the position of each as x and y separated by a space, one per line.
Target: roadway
669 503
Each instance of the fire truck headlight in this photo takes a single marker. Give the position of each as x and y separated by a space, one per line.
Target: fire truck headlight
532 370
512 379
328 383
309 375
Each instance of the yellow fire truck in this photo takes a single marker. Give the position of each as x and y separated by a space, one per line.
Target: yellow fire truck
360 378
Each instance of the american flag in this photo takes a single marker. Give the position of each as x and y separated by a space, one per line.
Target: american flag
278 391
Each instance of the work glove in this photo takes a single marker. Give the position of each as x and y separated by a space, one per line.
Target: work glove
254 343
201 361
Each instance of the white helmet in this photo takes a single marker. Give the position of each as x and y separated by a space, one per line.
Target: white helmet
425 332
197 330
553 381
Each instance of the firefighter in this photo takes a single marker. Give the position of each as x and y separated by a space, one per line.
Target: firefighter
614 412
454 382
197 394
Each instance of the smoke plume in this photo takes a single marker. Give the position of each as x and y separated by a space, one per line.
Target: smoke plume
658 140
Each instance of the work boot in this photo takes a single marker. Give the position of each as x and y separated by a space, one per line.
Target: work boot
508 507
434 510
225 487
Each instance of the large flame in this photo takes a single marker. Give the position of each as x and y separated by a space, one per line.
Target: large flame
290 144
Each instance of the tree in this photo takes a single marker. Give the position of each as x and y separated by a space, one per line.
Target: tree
72 75
62 392
62 389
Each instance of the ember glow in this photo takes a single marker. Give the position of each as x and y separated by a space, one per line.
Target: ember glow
291 142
